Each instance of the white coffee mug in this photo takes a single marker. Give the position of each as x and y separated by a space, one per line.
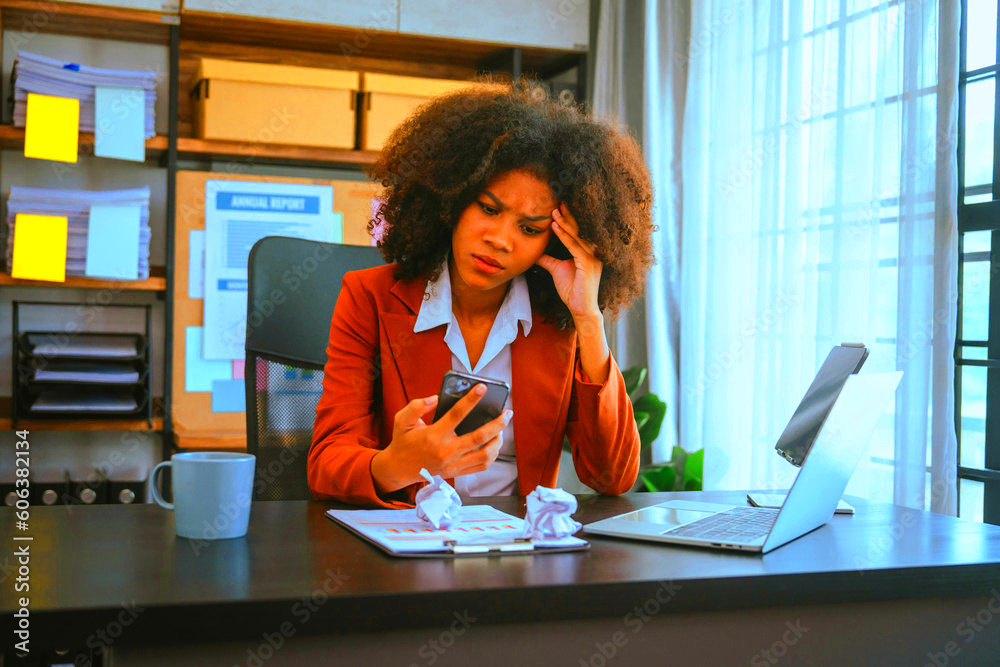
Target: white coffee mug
212 493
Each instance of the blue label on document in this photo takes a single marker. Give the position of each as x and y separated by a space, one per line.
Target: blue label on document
232 285
253 201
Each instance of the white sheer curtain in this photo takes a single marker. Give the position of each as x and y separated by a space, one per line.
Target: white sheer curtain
635 87
819 199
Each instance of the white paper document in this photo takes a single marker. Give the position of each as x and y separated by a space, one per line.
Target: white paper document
237 215
401 532
196 264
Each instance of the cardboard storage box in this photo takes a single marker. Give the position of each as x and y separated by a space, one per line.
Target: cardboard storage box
275 104
389 99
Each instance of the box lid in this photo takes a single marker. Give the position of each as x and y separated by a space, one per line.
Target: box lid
287 75
411 85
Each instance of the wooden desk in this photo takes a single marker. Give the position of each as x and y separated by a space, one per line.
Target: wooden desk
887 586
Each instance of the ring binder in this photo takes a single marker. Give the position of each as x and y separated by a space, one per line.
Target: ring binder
476 547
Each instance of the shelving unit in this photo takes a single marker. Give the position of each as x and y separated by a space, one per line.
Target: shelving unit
189 148
6 423
192 35
157 282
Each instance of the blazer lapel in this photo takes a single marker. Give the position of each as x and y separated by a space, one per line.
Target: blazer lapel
421 358
541 367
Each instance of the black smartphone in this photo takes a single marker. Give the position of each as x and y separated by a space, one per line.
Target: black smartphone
456 384
797 438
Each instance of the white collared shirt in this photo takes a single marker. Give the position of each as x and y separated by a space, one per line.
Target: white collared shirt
500 479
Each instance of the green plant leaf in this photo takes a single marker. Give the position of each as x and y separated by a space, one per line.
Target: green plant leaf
657 410
633 378
659 478
678 459
641 418
693 470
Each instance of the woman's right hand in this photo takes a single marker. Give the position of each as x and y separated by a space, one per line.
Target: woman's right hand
436 446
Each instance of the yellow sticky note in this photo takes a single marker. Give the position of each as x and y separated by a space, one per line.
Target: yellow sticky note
52 129
40 247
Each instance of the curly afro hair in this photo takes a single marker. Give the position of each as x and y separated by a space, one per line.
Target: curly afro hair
442 157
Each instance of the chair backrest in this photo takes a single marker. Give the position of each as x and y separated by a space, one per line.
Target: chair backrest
293 286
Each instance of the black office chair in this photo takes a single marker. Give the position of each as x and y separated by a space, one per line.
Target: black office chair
291 293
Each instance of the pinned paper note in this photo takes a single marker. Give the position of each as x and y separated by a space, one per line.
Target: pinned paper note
338 227
199 373
40 247
239 369
52 128
113 242
196 264
120 123
229 396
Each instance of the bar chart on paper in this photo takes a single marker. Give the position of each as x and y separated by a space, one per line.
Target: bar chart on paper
401 532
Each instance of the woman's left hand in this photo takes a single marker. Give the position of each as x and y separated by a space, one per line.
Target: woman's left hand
578 279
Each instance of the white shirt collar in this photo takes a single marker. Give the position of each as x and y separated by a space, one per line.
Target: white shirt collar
436 310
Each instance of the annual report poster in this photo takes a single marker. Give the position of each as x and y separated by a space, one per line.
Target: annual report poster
237 215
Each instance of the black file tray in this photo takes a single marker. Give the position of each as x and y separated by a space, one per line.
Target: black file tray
53 349
35 344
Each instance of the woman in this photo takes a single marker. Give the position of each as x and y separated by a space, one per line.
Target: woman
514 224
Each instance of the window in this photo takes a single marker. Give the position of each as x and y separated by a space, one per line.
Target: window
977 352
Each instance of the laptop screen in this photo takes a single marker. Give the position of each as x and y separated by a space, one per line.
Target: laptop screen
804 426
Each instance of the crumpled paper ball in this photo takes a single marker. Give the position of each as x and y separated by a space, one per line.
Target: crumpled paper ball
549 514
438 503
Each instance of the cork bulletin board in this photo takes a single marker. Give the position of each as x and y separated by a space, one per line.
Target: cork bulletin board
195 426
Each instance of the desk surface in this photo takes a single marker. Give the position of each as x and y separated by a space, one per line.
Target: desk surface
89 562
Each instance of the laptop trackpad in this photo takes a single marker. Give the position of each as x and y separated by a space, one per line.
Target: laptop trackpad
668 517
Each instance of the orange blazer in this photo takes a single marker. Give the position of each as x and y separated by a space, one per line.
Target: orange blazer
377 364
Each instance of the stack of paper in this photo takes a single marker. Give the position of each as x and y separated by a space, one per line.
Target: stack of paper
108 232
37 74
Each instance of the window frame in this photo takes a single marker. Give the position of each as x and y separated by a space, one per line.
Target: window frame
980 217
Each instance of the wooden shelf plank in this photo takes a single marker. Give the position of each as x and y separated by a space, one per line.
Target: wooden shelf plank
103 424
12 138
80 20
197 441
351 43
260 153
157 282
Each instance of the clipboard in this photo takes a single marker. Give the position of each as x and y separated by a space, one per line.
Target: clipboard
399 533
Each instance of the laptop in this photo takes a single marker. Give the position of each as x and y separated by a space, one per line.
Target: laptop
811 502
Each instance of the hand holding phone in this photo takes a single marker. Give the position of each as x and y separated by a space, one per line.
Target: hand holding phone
456 384
439 446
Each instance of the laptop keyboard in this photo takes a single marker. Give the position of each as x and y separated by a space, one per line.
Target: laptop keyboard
740 524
